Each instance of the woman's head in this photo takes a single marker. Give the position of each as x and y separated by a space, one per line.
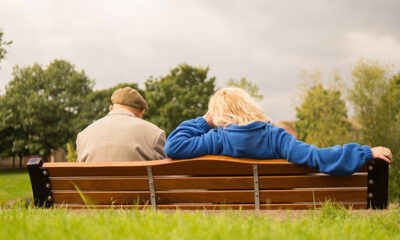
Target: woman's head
234 106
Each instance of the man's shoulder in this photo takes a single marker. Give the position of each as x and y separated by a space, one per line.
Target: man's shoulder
94 124
148 124
129 123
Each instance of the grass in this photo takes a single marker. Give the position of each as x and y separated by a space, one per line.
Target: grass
14 185
329 223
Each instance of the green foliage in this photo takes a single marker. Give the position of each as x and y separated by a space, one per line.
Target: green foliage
251 88
369 86
182 94
322 116
3 45
392 103
30 223
72 155
6 132
40 105
376 100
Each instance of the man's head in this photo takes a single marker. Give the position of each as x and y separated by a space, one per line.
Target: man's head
130 99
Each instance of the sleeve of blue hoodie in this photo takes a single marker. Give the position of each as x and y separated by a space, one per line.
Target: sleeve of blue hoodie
194 138
334 160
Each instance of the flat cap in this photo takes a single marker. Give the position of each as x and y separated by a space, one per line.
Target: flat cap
130 97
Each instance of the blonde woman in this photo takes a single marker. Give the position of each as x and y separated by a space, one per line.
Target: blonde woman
242 130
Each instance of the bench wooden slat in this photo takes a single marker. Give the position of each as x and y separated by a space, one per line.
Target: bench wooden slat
222 166
238 196
203 166
165 183
100 183
294 206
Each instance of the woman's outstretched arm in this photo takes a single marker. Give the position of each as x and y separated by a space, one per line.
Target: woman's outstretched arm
334 160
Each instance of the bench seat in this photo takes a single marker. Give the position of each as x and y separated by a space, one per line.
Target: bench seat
208 182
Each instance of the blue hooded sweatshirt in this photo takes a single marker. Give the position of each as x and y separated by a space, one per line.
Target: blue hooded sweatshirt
260 140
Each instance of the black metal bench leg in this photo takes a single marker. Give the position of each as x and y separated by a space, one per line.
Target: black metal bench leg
40 181
378 175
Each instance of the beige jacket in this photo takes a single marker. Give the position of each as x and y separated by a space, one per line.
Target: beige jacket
120 136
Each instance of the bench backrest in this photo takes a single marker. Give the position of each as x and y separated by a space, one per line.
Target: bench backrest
209 182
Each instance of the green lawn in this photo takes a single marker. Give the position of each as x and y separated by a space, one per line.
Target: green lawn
14 185
330 223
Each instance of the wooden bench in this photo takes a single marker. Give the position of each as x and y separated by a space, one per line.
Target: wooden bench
209 182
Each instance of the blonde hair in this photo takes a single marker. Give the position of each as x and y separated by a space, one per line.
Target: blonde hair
234 106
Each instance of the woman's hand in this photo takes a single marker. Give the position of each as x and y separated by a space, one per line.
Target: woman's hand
382 153
209 119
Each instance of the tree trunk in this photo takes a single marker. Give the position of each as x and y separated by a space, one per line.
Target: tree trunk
46 155
13 160
20 161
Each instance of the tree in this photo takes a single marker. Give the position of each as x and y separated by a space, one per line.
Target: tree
12 137
391 103
369 86
3 45
182 94
249 87
6 133
376 100
41 104
388 108
322 116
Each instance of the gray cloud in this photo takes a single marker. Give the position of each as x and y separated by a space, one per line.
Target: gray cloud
268 42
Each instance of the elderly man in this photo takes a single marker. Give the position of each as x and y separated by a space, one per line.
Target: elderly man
122 135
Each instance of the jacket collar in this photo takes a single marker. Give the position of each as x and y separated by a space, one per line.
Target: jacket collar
121 111
248 127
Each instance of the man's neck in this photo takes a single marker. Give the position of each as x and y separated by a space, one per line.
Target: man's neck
135 111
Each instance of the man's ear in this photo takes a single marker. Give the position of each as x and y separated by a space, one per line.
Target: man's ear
141 113
110 108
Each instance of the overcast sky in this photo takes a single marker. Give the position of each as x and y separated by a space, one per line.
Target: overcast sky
268 42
